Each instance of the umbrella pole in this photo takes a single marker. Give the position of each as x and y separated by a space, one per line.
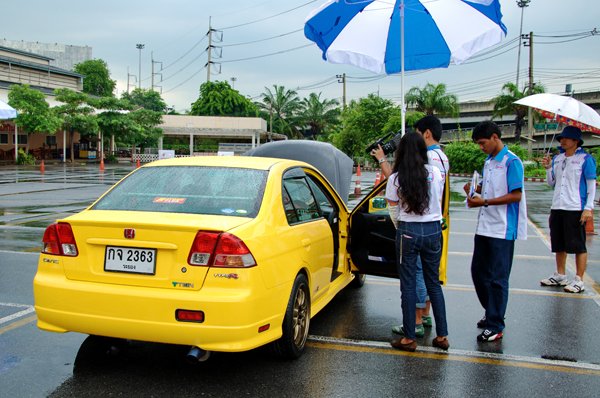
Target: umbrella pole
16 143
402 104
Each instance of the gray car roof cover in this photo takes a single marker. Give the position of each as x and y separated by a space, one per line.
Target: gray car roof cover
334 164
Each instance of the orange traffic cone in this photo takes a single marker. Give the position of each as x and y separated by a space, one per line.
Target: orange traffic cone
42 167
137 163
357 187
377 178
102 164
589 226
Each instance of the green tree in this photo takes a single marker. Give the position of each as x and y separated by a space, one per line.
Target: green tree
219 99
363 122
283 106
504 104
145 133
147 99
113 119
76 114
34 113
394 123
433 100
319 115
96 78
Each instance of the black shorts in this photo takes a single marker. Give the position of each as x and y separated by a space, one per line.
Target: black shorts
567 234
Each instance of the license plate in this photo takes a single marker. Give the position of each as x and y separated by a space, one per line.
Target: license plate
130 259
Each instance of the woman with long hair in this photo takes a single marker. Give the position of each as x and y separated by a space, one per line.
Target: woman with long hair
414 194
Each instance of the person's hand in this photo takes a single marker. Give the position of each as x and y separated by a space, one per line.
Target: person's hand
475 201
585 215
377 153
547 162
467 188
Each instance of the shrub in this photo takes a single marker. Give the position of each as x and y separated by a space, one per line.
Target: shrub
25 158
464 157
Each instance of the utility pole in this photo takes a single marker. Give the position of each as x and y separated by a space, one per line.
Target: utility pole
529 92
522 4
209 49
342 79
128 76
155 73
140 47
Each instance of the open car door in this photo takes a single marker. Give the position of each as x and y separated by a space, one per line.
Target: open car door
372 243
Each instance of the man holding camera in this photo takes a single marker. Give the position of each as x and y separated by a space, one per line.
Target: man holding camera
430 128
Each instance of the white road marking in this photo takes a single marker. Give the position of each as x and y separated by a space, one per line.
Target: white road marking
28 310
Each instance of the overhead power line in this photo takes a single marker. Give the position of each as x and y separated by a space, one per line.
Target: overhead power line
268 17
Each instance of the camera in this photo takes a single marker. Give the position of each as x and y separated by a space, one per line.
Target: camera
389 146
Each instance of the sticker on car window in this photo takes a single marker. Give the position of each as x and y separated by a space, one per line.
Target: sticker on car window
241 211
227 211
176 201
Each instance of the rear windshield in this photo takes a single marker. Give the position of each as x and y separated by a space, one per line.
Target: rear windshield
197 190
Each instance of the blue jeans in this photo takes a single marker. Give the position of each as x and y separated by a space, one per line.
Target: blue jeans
421 289
424 240
490 270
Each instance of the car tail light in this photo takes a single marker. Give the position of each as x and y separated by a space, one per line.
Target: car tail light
189 316
59 240
220 250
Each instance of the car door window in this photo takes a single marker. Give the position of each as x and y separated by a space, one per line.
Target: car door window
302 200
325 203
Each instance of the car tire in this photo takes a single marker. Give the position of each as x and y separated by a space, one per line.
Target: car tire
296 322
358 281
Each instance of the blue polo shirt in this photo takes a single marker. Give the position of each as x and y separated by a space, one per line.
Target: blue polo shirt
502 174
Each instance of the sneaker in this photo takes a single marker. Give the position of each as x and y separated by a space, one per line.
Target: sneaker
419 330
576 286
427 321
488 335
482 323
555 279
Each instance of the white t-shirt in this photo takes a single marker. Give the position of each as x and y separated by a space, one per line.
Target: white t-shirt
436 157
436 188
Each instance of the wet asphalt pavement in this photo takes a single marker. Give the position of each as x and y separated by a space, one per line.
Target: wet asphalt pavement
549 348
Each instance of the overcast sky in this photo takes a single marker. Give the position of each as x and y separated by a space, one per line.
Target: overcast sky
175 33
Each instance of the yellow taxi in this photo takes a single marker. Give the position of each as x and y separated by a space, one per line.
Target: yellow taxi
218 253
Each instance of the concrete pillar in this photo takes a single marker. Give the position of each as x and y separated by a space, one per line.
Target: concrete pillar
191 144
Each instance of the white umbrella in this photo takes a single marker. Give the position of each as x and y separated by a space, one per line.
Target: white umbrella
564 109
393 36
8 112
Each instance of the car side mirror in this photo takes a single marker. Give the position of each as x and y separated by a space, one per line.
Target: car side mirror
377 204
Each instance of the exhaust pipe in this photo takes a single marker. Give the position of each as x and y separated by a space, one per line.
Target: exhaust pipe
197 354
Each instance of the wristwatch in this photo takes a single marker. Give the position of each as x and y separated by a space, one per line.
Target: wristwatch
485 203
382 160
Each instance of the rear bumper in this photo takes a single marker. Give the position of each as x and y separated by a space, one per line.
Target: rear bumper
232 316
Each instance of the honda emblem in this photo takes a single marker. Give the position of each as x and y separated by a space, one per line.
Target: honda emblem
129 233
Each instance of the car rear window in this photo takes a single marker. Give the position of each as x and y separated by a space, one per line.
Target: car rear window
182 189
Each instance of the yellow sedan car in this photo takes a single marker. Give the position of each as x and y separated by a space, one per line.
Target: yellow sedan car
217 253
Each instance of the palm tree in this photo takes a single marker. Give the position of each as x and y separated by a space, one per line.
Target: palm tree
504 103
282 106
433 99
319 114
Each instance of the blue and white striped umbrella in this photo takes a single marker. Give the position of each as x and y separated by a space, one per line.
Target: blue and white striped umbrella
7 111
436 33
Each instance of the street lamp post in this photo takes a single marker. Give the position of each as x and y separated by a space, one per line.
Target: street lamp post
233 79
140 47
522 4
